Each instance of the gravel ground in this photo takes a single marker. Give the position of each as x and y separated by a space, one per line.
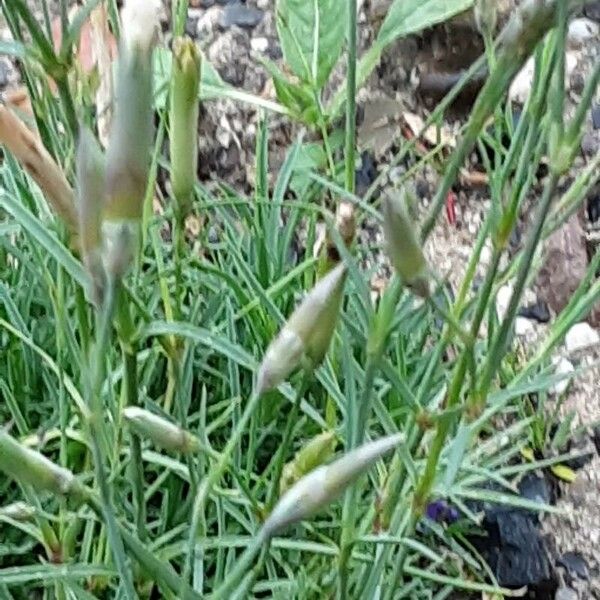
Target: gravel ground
234 37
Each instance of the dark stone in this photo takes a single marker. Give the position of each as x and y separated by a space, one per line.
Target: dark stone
6 72
565 264
592 10
589 144
596 438
422 188
575 565
191 27
536 312
537 489
241 16
596 116
516 552
577 82
366 174
593 205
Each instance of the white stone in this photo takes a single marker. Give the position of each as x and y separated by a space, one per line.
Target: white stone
581 31
581 336
259 44
503 300
521 85
523 326
486 255
563 366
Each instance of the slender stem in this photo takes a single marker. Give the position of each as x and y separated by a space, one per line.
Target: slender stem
282 451
350 148
98 439
62 83
356 431
211 479
137 467
242 566
126 331
501 340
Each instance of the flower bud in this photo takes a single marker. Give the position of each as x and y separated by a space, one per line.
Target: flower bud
326 483
313 454
485 16
128 156
90 198
17 511
159 431
32 468
306 334
183 121
403 247
120 239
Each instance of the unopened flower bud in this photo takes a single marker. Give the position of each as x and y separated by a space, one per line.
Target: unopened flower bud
128 156
17 511
403 247
313 454
120 241
306 334
32 468
326 483
485 16
90 198
159 431
183 121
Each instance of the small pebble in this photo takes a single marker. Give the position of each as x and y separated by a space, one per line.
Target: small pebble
596 116
581 336
575 565
589 144
565 593
503 300
7 72
581 31
537 312
523 326
593 205
563 367
592 10
241 16
259 44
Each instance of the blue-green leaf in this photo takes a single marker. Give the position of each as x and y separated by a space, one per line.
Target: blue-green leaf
312 34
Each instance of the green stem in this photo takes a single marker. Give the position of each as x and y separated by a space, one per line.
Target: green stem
137 467
97 436
356 430
211 479
500 342
243 564
350 148
286 440
62 83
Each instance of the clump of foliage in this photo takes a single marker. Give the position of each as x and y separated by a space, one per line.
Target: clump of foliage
182 415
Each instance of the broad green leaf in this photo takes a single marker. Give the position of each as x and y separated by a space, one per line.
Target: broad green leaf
311 34
410 16
294 96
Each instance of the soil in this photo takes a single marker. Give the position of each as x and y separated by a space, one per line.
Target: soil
410 76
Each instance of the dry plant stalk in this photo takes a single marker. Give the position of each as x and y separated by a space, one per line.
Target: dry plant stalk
103 50
27 148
